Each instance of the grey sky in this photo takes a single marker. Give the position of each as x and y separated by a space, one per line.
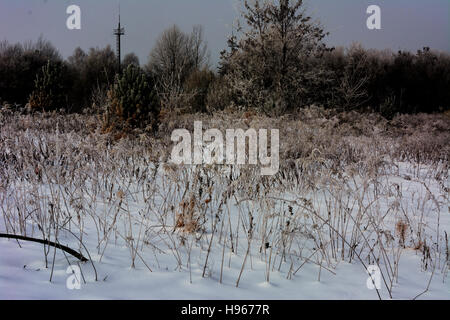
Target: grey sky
406 24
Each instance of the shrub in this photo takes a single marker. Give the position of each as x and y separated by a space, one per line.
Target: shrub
133 100
218 96
48 93
198 84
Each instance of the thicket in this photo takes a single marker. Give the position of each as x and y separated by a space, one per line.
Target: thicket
19 65
388 82
93 73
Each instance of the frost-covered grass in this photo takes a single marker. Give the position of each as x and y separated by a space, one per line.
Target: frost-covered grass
353 190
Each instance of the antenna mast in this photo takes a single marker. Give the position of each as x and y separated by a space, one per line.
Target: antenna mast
119 32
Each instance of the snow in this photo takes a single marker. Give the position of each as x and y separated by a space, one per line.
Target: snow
23 274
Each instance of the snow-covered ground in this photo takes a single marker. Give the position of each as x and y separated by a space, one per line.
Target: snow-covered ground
23 276
177 260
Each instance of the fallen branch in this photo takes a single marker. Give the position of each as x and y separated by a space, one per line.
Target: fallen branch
77 255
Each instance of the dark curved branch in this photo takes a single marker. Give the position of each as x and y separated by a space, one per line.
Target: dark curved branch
77 255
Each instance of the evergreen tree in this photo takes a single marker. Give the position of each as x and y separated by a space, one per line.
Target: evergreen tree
133 99
271 64
48 93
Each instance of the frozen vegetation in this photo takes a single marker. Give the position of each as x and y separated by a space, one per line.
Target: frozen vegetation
353 191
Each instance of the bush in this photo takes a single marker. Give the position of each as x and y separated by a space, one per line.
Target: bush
48 93
198 84
218 96
133 100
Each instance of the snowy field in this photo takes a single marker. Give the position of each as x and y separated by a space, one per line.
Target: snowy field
24 274
169 232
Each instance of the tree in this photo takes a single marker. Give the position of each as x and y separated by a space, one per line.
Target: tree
19 64
270 65
353 84
49 91
130 59
93 71
198 48
133 100
175 56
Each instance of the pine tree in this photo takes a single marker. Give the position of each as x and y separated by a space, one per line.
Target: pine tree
48 93
133 100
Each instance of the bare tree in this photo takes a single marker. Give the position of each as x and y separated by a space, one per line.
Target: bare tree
353 85
175 56
199 48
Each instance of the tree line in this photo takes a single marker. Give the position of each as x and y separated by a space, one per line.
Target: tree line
275 62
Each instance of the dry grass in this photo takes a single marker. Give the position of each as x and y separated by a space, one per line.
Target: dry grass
333 199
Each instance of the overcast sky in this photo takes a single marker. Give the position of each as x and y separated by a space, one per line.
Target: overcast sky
406 24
